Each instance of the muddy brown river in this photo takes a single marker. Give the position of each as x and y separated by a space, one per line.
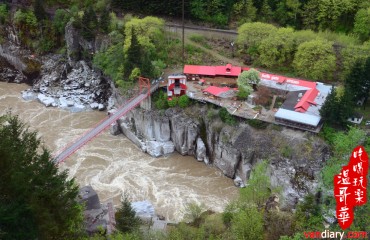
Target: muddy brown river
113 165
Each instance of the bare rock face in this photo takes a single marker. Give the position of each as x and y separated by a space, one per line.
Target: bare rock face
184 133
295 157
201 153
72 42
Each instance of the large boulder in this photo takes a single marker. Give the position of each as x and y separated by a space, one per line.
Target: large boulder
201 153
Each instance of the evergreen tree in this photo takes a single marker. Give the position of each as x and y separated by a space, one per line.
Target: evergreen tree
118 4
39 10
133 55
354 82
105 21
266 12
89 23
336 110
126 219
147 68
36 201
330 108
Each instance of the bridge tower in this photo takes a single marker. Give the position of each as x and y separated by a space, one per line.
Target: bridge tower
144 83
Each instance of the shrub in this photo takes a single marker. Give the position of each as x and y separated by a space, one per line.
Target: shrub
3 13
172 102
242 94
286 151
184 101
257 123
226 117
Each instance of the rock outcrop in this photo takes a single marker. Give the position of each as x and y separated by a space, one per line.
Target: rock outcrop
75 88
295 157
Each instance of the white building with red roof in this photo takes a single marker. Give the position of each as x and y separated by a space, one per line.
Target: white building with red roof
303 101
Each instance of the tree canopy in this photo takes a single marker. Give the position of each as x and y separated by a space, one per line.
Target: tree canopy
315 59
36 201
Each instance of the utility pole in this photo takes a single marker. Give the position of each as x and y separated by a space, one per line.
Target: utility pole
183 32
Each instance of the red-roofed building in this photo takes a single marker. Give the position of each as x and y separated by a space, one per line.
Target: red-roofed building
213 71
216 91
307 99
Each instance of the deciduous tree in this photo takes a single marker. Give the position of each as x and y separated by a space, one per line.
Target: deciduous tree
247 224
362 23
315 59
247 78
251 34
277 49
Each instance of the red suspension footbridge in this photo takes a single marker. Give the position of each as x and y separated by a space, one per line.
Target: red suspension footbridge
145 89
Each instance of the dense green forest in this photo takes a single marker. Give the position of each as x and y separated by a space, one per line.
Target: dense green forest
348 16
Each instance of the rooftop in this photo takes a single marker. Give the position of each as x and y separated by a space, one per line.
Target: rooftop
227 70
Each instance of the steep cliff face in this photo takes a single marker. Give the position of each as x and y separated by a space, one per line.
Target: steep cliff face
295 157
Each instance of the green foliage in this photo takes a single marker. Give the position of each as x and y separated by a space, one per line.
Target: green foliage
351 55
304 36
89 23
135 74
259 185
186 232
328 133
149 32
243 93
258 124
25 19
104 22
343 144
247 224
308 216
286 151
297 236
160 100
126 220
111 61
315 59
37 201
357 82
244 11
4 13
212 12
39 10
362 23
158 67
252 34
184 101
335 110
226 117
193 211
278 48
247 78
60 20
172 102
278 223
